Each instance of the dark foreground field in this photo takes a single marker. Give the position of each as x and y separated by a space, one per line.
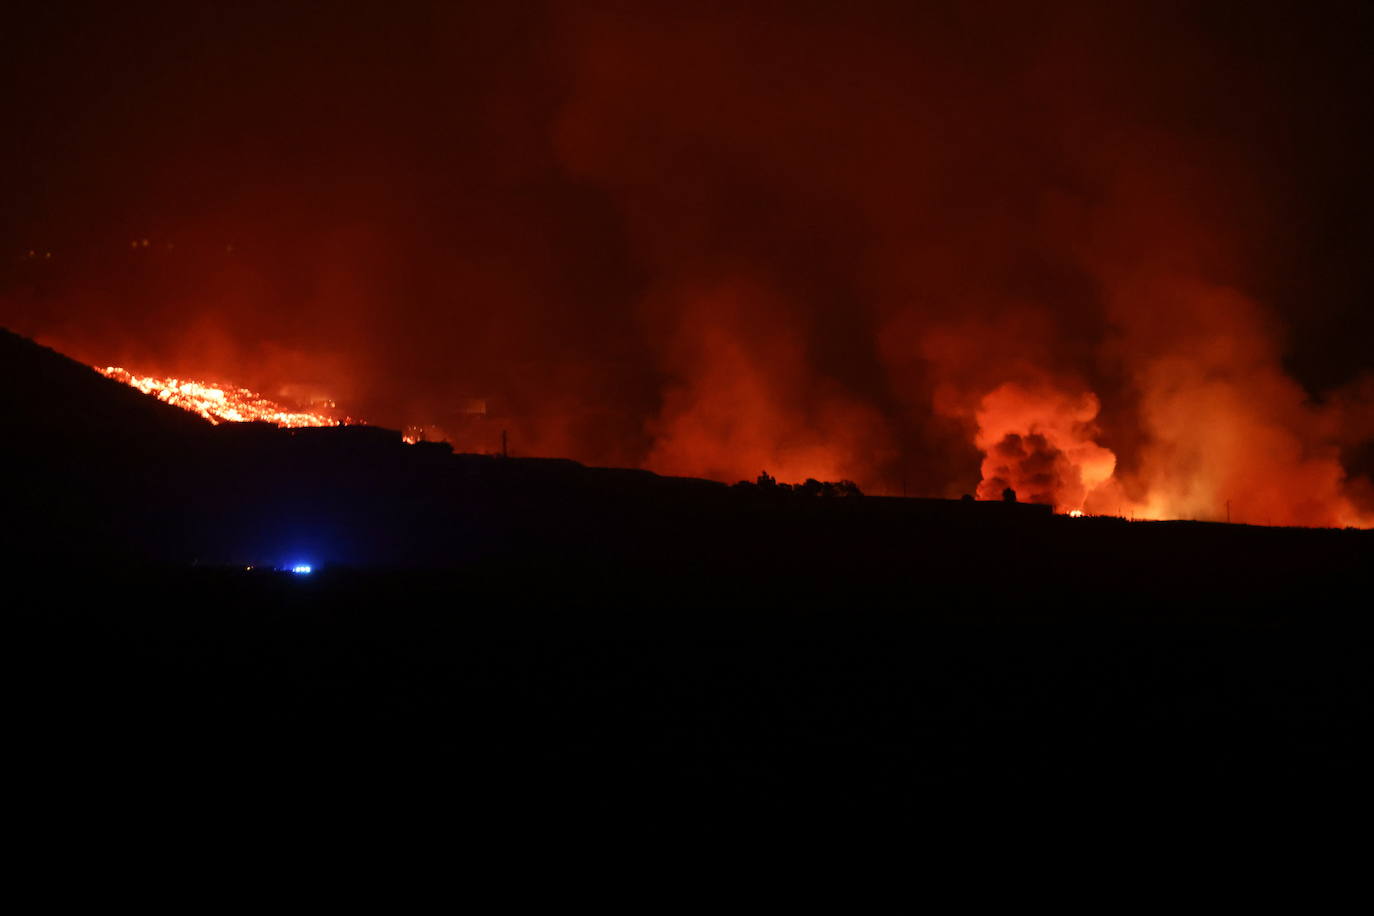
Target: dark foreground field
517 687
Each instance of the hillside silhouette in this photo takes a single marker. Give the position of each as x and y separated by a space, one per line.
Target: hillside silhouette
110 472
533 632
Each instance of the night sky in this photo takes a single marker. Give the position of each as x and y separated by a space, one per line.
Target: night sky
715 238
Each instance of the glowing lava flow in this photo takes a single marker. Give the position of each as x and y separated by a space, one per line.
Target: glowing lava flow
218 403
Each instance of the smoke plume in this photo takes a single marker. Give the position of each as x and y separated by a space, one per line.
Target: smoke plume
1110 258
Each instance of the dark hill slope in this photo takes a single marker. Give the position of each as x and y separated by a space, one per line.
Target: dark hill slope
92 467
97 470
102 471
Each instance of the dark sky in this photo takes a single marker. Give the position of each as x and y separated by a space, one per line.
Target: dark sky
702 236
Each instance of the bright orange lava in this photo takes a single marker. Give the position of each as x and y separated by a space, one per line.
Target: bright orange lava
217 402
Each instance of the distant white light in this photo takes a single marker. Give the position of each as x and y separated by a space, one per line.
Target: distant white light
1076 513
302 570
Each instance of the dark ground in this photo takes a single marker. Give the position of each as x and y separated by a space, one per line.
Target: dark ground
505 635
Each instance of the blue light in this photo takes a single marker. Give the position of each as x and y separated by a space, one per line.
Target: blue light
301 570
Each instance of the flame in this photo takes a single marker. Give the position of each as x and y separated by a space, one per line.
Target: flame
219 403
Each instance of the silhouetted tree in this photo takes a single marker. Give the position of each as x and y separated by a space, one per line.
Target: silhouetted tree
811 488
1008 495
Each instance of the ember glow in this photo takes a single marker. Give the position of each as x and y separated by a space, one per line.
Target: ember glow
217 402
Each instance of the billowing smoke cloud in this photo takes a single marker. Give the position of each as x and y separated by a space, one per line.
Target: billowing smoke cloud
1109 258
1041 444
